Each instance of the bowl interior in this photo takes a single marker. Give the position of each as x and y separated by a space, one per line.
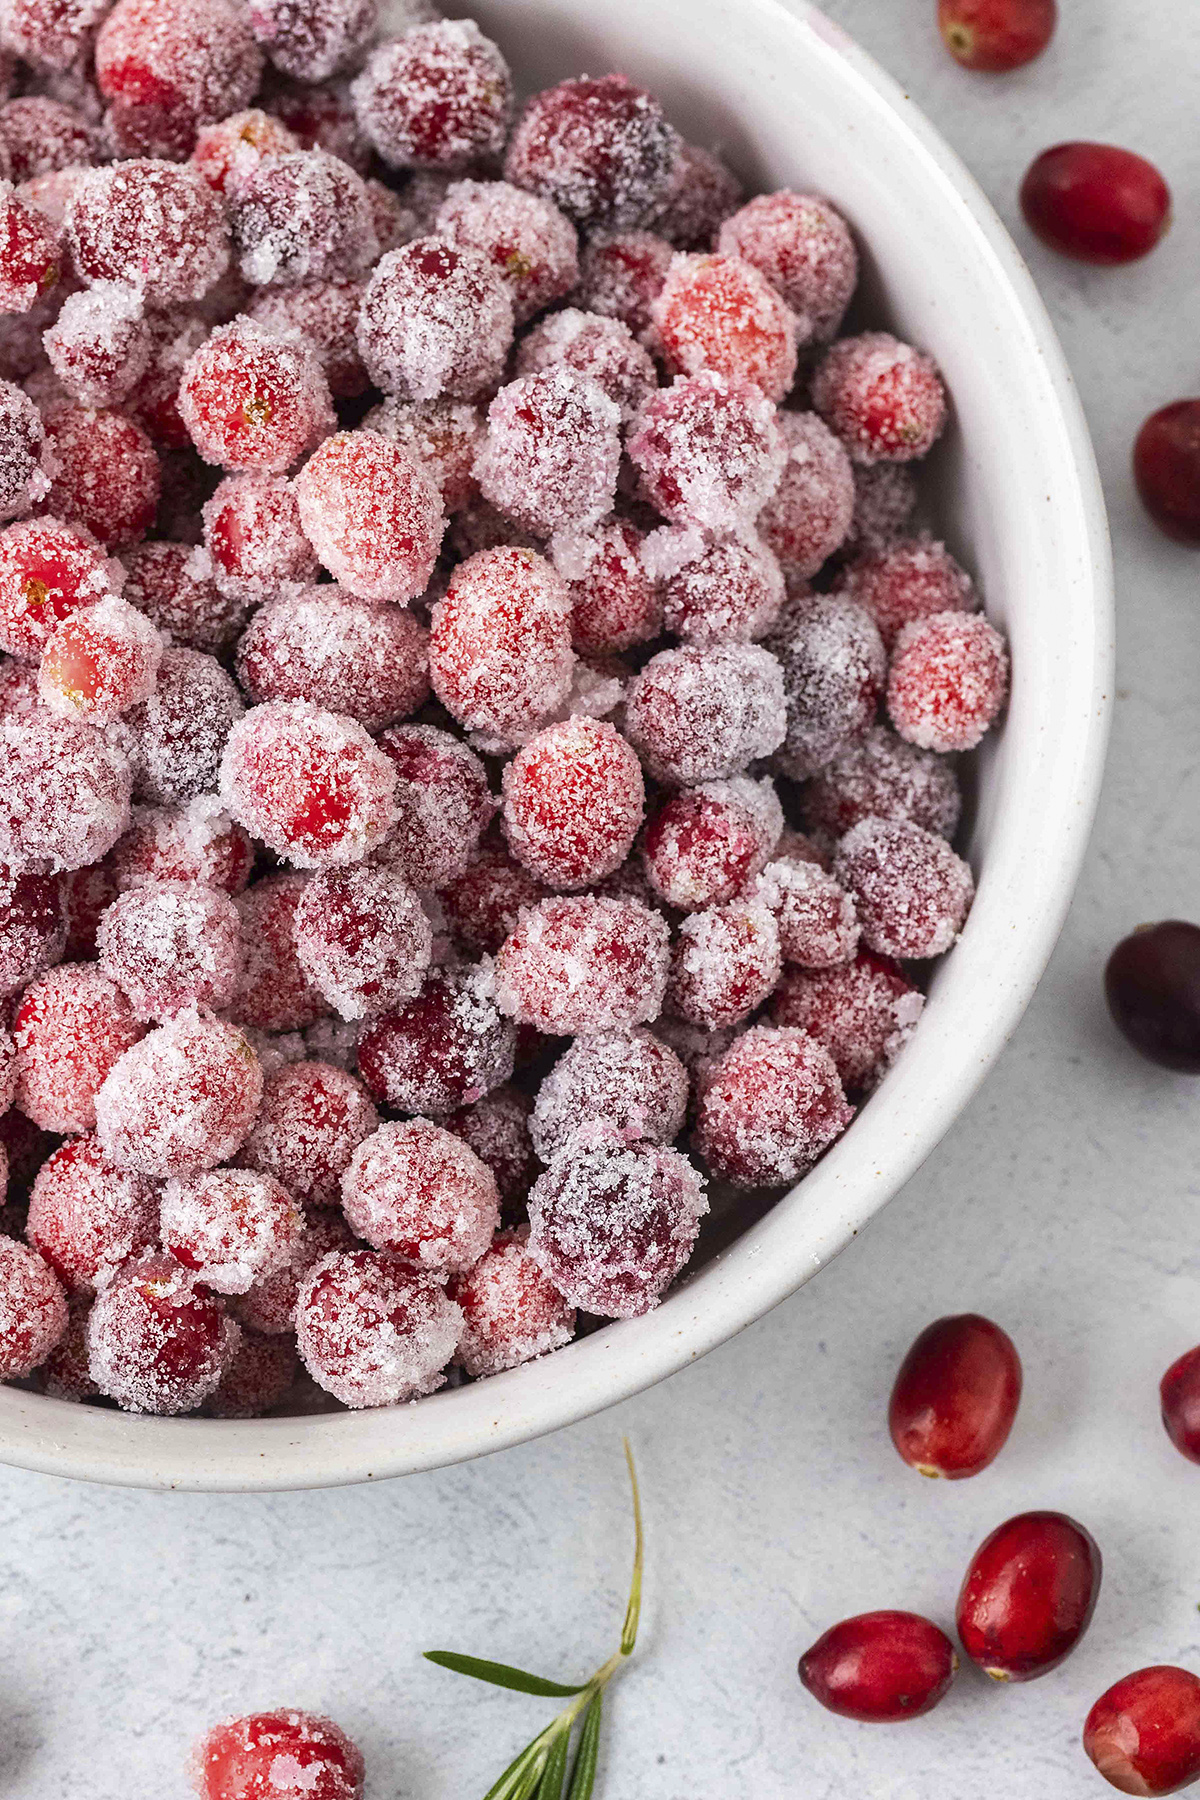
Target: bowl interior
792 102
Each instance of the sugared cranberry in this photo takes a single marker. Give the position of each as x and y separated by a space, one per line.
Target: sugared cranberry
497 1129
87 1216
170 582
269 1306
197 842
583 963
363 940
1096 203
531 244
906 581
100 662
810 514
436 320
816 918
884 399
47 570
253 401
701 714
552 452
182 728
312 1119
168 944
445 1048
996 35
373 1331
287 1755
71 1028
367 660
725 962
500 653
911 890
107 477
482 904
573 802
30 258
182 1100
719 312
863 1013
627 1086
1028 1595
703 844
600 148
803 246
614 602
232 1226
33 927
149 226
25 462
313 39
592 345
168 67
254 536
325 314
709 451
420 1192
721 591
769 1107
947 681
372 514
444 434
442 804
275 993
955 1397
440 97
1179 1391
880 1667
67 798
157 1341
621 275
511 1312
1166 467
229 152
1143 1733
1152 985
302 217
701 195
834 669
33 1310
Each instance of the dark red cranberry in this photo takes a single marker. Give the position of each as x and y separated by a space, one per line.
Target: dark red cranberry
880 1667
1029 1595
1144 1733
1096 202
956 1397
1152 984
996 35
1166 467
1179 1391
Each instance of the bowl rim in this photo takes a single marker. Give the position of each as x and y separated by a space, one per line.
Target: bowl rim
335 1449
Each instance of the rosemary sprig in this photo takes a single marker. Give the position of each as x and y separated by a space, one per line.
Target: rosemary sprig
540 1771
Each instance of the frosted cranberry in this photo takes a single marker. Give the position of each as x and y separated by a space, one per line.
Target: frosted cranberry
725 962
445 1048
29 255
614 602
99 346
253 534
367 661
834 668
150 226
500 654
552 452
442 804
157 1341
702 193
319 114
955 1397
511 1312
18 689
885 496
911 890
167 67
908 581
302 217
803 246
1143 1733
880 1667
1152 985
592 345
100 662
269 1306
182 1100
363 940
444 436
259 1377
948 681
884 399
528 241
275 994
573 802
153 401
1179 1391
996 35
584 963
440 97
497 1129
71 1027
87 1216
33 1310
612 1226
282 1755
769 1107
171 584
702 845
611 1084
325 315
1166 467
181 729
482 904
885 778
106 474
52 35
24 461
718 312
699 714
1028 1595
723 591
418 1191
42 135
197 842
863 1013
600 149
1096 203
709 451
67 801
47 569
313 39
373 1331
254 401
232 1227
170 943
229 152
310 783
809 516
372 514
815 916
64 1374
621 276
33 927
312 1119
436 319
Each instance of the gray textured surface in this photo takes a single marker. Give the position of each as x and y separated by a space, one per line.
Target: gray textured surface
1065 1204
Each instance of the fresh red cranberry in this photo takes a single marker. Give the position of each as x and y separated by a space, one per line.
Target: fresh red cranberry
1096 202
1029 1595
996 35
1166 467
1152 984
956 1397
1180 1393
880 1667
1144 1733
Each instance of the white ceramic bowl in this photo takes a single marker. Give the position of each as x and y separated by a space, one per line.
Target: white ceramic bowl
792 102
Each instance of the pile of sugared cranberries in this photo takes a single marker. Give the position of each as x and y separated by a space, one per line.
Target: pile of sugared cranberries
478 703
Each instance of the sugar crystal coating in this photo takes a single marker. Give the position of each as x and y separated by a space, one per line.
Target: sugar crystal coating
444 435
440 97
287 1755
33 1310
197 841
67 798
251 400
167 67
25 466
442 804
325 315
573 802
497 1129
718 313
709 451
593 345
312 1119
500 653
99 345
532 245
30 261
51 35
701 195
884 399
313 39
182 728
445 1048
227 153
614 601
816 918
613 1225
628 1085
885 778
621 275
911 890
834 668
304 216
106 475
363 940
803 246
511 1312
583 963
909 580
269 1306
726 590
231 1226
254 537
948 680
100 662
552 451
87 1216
703 844
367 660
810 513
372 514
724 964
47 569
863 1012
258 1378
150 226
157 1341
769 1107
372 1331
599 148
436 320
885 496
419 1192
33 927
181 1100
275 993
169 944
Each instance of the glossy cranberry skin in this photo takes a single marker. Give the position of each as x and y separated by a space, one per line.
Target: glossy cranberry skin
1029 1595
956 1397
880 1667
1144 1733
1166 467
996 35
1179 1391
1096 203
1152 985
